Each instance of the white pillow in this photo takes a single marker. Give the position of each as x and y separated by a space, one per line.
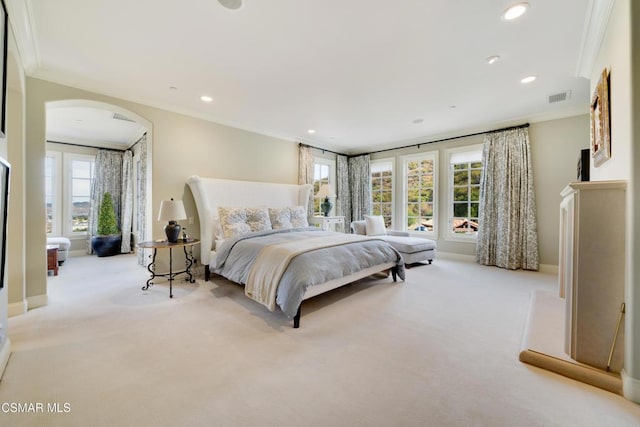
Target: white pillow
280 218
374 225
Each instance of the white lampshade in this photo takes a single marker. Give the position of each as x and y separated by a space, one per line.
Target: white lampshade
325 191
172 210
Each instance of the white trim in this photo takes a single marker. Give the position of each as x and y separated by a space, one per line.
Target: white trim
428 155
67 193
5 352
630 387
56 184
19 11
17 308
37 301
450 152
595 25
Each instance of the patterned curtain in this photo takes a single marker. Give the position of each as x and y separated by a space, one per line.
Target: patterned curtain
141 215
343 191
305 172
508 235
360 182
127 202
107 178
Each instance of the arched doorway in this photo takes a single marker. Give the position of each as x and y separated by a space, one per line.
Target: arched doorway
76 130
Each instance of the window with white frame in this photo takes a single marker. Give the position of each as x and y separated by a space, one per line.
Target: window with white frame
465 173
420 184
324 172
382 189
68 179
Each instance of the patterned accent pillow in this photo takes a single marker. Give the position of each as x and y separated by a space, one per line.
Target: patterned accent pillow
299 217
280 218
288 217
233 221
258 219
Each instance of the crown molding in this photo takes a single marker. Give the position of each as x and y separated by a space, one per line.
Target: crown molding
22 24
595 26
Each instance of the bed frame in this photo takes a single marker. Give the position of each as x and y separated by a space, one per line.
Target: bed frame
211 193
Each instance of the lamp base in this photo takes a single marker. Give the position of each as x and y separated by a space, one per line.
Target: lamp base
326 206
172 230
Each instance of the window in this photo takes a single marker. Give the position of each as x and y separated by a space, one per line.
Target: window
382 189
81 172
52 193
323 174
465 172
68 179
420 175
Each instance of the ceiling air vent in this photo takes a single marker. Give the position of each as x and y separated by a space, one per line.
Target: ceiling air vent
118 116
559 97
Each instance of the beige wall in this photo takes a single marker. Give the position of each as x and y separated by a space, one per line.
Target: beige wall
555 147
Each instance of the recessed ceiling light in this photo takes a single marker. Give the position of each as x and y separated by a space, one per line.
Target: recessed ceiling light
453 107
418 121
515 11
205 98
492 59
311 131
231 4
528 79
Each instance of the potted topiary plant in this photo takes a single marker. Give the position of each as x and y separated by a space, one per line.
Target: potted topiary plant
108 239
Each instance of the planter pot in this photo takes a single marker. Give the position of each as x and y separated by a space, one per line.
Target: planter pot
106 245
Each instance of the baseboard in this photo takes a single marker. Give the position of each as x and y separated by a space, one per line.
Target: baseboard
37 301
455 256
17 308
630 387
5 352
548 268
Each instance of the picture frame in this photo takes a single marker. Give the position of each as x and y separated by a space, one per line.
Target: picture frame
599 114
4 33
5 174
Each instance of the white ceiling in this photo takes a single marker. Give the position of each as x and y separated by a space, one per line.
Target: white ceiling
359 72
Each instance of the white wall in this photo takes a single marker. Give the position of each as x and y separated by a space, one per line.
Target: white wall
619 54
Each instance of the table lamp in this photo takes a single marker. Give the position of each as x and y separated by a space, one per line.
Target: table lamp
326 192
172 211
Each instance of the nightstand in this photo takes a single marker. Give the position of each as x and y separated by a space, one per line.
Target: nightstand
333 223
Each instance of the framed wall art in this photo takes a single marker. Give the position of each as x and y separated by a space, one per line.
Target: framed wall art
600 131
4 25
5 170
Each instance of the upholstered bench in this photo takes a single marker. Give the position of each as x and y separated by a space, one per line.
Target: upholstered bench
412 249
63 247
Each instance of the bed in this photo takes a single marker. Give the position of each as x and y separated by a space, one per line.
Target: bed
280 260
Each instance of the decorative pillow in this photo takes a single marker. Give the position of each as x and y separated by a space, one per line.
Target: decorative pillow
359 227
280 218
374 225
233 221
299 217
258 219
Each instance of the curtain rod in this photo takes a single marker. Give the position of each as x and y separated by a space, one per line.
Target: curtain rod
525 125
87 146
322 149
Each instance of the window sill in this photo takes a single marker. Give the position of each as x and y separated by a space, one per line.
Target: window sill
461 239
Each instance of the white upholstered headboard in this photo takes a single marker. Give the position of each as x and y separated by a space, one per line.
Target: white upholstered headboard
211 193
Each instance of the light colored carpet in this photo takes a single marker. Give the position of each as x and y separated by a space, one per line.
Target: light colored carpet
440 349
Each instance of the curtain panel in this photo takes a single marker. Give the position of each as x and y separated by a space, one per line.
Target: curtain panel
141 215
360 183
508 235
305 173
343 191
126 202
